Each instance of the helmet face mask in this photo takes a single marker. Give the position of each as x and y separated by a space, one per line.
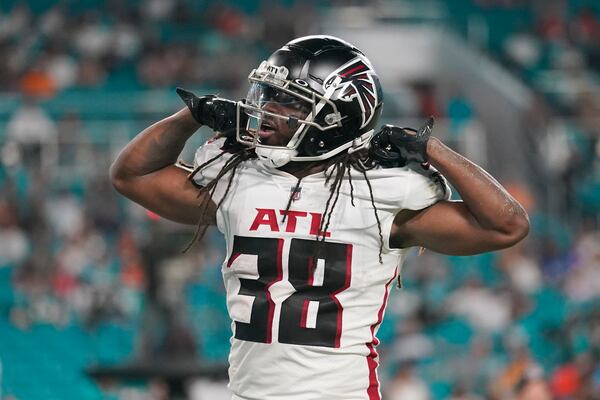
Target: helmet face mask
261 94
325 114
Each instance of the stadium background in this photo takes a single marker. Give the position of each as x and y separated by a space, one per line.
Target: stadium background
98 302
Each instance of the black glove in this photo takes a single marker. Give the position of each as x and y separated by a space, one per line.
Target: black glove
393 146
216 113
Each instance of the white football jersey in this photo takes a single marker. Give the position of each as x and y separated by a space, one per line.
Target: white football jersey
305 314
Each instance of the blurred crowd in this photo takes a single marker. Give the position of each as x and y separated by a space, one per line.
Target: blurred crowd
69 254
521 324
555 47
59 45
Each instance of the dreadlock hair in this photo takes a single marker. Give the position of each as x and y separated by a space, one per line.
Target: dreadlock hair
336 168
209 189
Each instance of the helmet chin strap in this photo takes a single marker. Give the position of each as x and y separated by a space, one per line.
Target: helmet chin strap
275 158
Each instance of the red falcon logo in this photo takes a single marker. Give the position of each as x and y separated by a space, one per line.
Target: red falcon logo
355 81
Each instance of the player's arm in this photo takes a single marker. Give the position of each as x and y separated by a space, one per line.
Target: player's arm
146 173
145 170
487 219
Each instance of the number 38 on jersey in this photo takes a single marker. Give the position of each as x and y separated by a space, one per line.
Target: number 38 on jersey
310 313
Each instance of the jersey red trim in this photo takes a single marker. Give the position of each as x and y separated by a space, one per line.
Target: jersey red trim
232 259
338 332
311 270
304 313
373 357
269 337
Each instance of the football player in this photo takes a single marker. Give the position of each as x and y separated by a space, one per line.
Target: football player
318 212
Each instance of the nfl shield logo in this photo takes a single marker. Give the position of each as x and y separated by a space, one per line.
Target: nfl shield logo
295 193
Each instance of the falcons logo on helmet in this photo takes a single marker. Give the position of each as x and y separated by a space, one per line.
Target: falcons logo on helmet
355 80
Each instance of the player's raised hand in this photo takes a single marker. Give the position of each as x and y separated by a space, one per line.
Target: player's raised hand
217 113
393 146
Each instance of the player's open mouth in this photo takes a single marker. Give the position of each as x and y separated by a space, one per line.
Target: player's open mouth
266 130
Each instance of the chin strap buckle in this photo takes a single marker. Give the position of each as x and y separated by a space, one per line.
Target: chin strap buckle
361 142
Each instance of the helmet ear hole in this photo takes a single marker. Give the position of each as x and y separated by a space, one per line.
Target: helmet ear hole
309 146
316 142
